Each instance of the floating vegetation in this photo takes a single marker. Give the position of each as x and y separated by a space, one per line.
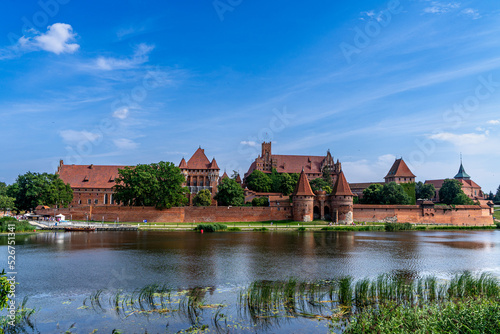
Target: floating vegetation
349 305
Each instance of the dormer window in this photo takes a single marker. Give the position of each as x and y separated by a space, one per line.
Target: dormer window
86 179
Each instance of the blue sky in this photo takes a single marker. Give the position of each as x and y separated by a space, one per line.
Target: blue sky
128 82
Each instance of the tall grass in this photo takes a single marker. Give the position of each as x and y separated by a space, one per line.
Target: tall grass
19 226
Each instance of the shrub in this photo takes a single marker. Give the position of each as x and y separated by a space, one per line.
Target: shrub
211 227
234 229
301 229
260 229
392 227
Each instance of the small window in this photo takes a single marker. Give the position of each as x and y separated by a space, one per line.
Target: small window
80 202
96 201
89 201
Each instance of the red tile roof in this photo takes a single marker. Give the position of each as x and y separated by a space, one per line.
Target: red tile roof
199 160
303 187
399 169
95 176
213 165
341 187
295 163
183 164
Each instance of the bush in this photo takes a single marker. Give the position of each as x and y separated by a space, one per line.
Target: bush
301 229
211 227
20 226
234 229
354 228
260 229
392 227
260 201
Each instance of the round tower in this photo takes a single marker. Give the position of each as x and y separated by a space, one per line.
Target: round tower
342 201
303 200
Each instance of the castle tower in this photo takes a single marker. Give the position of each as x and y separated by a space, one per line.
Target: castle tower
342 201
462 175
400 173
303 200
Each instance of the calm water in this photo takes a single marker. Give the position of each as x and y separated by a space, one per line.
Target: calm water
58 270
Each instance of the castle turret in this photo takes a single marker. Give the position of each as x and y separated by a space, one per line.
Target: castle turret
303 200
342 200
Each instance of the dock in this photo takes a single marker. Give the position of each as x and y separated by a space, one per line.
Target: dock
98 227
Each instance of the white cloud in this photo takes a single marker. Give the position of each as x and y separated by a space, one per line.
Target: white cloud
121 113
461 140
125 144
494 122
58 39
441 8
75 137
472 13
139 57
248 143
368 171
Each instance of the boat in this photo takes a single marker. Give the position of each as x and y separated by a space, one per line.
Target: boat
79 228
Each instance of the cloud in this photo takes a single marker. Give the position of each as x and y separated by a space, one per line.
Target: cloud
472 13
461 140
121 113
58 39
368 171
125 144
494 122
441 8
139 57
248 143
74 137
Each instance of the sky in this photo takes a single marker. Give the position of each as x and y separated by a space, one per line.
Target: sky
130 82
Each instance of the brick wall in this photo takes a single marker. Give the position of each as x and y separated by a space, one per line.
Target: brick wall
460 215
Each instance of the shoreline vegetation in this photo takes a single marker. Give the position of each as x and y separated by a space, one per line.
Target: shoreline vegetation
385 304
267 226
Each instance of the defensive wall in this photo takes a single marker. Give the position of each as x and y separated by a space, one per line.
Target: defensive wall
187 214
460 215
425 213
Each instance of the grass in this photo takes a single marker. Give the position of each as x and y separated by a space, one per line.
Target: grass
22 319
19 226
353 228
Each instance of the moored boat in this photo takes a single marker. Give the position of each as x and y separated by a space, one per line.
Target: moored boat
79 228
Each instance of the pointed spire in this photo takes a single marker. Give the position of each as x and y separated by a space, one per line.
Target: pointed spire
213 164
461 171
183 164
303 187
341 187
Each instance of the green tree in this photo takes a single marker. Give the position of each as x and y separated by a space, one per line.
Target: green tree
259 181
203 198
372 194
321 184
424 191
287 184
3 189
260 201
275 178
496 199
157 184
451 193
393 193
33 189
7 203
230 193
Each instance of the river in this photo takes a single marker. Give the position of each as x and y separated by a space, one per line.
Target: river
57 271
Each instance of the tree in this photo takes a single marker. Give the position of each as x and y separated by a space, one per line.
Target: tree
491 196
451 193
7 203
424 191
393 193
275 178
3 189
260 201
496 199
33 189
321 184
259 181
287 184
389 193
230 193
157 184
203 198
372 194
